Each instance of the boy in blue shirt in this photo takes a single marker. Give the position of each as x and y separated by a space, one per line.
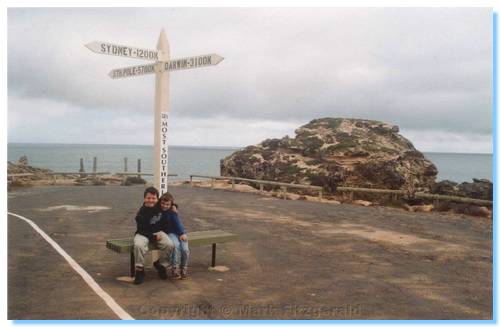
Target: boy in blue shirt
177 234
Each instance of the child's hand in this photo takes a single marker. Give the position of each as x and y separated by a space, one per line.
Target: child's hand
174 208
183 237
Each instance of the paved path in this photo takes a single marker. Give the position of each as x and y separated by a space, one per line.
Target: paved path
295 260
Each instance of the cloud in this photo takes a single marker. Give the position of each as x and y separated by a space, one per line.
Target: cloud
424 69
438 141
42 119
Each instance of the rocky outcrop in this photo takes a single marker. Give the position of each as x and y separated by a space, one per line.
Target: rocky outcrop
23 160
336 151
478 189
445 187
24 168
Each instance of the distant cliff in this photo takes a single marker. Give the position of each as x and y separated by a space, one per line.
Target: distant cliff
336 151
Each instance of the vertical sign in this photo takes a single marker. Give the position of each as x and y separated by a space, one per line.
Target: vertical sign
162 104
164 154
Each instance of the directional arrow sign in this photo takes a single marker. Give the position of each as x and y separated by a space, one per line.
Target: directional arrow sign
133 71
124 51
193 62
175 64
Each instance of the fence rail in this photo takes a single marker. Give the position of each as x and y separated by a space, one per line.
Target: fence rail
135 174
351 190
19 175
261 183
420 195
79 173
11 177
140 174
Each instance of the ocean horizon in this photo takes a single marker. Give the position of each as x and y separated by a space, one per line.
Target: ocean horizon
185 160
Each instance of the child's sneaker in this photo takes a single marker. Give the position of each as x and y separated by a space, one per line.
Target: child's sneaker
174 273
184 273
139 276
162 272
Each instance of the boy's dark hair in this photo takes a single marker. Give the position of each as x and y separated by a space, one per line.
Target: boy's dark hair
167 197
151 190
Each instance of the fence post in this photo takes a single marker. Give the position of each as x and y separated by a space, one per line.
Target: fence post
261 188
191 180
82 169
232 184
125 164
320 195
94 165
139 167
284 192
435 202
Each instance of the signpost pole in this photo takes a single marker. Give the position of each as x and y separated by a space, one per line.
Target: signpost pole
162 103
161 68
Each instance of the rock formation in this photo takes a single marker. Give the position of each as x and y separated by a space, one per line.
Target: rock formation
24 168
336 151
478 189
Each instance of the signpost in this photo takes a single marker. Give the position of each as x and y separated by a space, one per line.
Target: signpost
161 67
125 51
171 65
134 71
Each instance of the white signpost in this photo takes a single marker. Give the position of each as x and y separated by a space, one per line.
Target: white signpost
134 71
125 51
176 64
162 66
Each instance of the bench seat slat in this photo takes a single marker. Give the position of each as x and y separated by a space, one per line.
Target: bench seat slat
199 238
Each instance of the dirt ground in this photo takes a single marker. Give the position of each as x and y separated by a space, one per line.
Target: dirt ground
294 259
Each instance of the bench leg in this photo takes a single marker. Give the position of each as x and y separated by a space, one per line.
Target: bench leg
214 248
132 264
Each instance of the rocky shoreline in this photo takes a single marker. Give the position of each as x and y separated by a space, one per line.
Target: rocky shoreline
361 199
333 152
327 152
478 189
44 177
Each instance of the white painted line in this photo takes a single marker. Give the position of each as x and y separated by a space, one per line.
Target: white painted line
117 309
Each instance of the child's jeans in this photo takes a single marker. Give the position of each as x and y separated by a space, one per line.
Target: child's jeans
181 251
165 245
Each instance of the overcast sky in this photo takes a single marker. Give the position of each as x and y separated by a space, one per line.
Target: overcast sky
426 70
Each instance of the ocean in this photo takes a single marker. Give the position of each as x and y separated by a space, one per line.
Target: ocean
187 160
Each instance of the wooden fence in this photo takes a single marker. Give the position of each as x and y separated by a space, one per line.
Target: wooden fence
284 186
350 190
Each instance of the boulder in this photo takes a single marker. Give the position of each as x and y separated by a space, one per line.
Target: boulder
22 168
421 208
464 208
362 203
445 187
23 161
478 189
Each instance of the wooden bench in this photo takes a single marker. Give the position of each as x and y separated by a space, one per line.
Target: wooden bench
195 239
